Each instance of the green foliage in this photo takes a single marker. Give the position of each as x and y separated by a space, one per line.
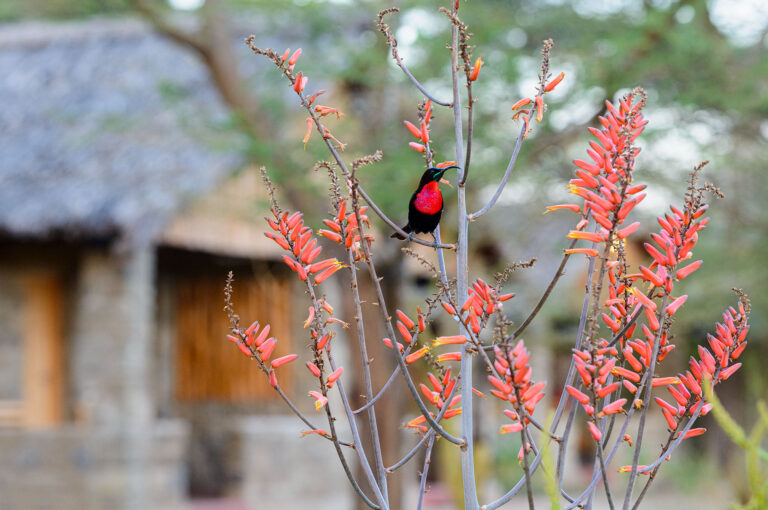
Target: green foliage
756 456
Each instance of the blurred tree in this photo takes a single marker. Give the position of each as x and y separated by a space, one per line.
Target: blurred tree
703 63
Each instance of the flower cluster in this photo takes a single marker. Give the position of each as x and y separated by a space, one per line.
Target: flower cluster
292 235
440 390
605 183
514 385
345 230
716 365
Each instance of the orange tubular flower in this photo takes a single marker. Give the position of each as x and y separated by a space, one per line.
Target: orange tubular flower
539 108
417 147
449 340
313 369
283 360
596 434
319 432
295 57
522 103
413 129
406 320
310 316
320 400
414 356
476 70
511 428
571 207
551 85
333 376
590 252
449 356
309 130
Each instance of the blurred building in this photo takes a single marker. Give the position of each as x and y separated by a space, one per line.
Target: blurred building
123 205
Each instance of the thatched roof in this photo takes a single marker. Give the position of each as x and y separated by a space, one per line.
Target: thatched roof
105 130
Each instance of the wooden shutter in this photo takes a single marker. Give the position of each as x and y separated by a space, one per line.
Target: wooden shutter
208 365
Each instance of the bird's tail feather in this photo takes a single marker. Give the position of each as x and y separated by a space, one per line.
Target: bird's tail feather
398 235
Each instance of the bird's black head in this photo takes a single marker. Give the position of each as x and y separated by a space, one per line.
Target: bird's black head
434 174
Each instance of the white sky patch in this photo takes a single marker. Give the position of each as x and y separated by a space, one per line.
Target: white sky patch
518 191
415 22
743 21
577 108
186 5
516 38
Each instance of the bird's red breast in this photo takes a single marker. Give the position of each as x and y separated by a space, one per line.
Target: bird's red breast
429 200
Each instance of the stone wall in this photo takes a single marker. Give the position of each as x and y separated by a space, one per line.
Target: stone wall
85 468
281 470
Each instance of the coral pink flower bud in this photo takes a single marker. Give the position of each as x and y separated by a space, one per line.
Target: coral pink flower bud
615 407
413 129
596 434
449 356
266 348
417 147
476 69
578 395
333 376
511 428
404 332
295 57
406 320
284 360
414 356
539 108
313 368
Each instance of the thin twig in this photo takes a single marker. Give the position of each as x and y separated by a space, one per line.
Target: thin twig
392 43
425 471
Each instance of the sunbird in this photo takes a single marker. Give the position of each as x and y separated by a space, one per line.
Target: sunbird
426 204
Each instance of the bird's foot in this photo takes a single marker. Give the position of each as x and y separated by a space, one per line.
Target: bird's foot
410 237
